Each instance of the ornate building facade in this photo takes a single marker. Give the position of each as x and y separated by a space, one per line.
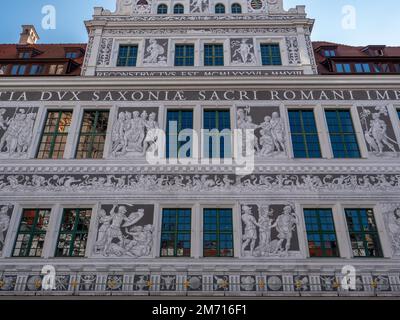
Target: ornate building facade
313 195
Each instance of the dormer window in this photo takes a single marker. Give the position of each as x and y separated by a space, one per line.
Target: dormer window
329 53
72 55
25 55
220 8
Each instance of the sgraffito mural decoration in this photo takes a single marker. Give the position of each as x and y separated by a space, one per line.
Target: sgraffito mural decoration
269 230
131 132
5 217
378 132
124 230
156 52
269 130
16 131
242 52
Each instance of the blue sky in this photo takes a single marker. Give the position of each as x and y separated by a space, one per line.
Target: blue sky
377 22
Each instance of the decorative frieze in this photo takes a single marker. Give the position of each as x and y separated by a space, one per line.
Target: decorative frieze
104 55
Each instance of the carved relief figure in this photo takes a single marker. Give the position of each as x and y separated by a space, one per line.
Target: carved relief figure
156 52
243 51
275 231
270 136
376 131
4 223
132 133
199 6
120 235
18 132
391 213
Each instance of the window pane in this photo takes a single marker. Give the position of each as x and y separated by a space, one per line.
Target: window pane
184 55
178 120
236 8
270 54
218 233
217 142
220 8
213 55
127 56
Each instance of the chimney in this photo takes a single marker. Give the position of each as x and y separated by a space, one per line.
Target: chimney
28 35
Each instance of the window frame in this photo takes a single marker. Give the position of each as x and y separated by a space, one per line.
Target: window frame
342 134
345 67
54 134
304 134
164 7
32 233
92 134
181 7
208 139
375 234
179 129
271 56
126 59
176 232
321 232
185 58
362 68
236 6
218 232
74 233
220 6
214 57
19 68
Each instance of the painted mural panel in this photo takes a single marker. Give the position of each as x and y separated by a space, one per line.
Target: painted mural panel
125 230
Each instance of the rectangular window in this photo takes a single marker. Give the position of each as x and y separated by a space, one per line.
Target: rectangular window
31 233
381 68
176 232
329 53
177 121
321 233
398 113
71 55
127 56
362 68
270 55
213 55
55 134
92 135
217 138
24 55
343 68
397 67
342 134
363 233
184 55
18 70
73 234
218 233
36 69
304 134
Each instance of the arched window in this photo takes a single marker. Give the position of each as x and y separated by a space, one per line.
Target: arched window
236 8
179 9
220 8
162 9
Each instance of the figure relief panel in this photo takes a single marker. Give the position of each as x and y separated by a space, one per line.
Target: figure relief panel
242 52
269 130
124 230
391 215
5 218
378 132
156 52
16 131
269 230
132 134
199 6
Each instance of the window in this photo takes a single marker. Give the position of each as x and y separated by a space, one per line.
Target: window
18 70
31 233
398 113
321 233
179 9
217 142
343 68
304 134
362 68
36 69
381 68
162 9
56 69
55 134
73 234
270 54
220 8
127 56
329 53
397 67
178 120
363 233
342 134
184 55
24 55
236 8
176 231
218 233
213 55
71 55
92 135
